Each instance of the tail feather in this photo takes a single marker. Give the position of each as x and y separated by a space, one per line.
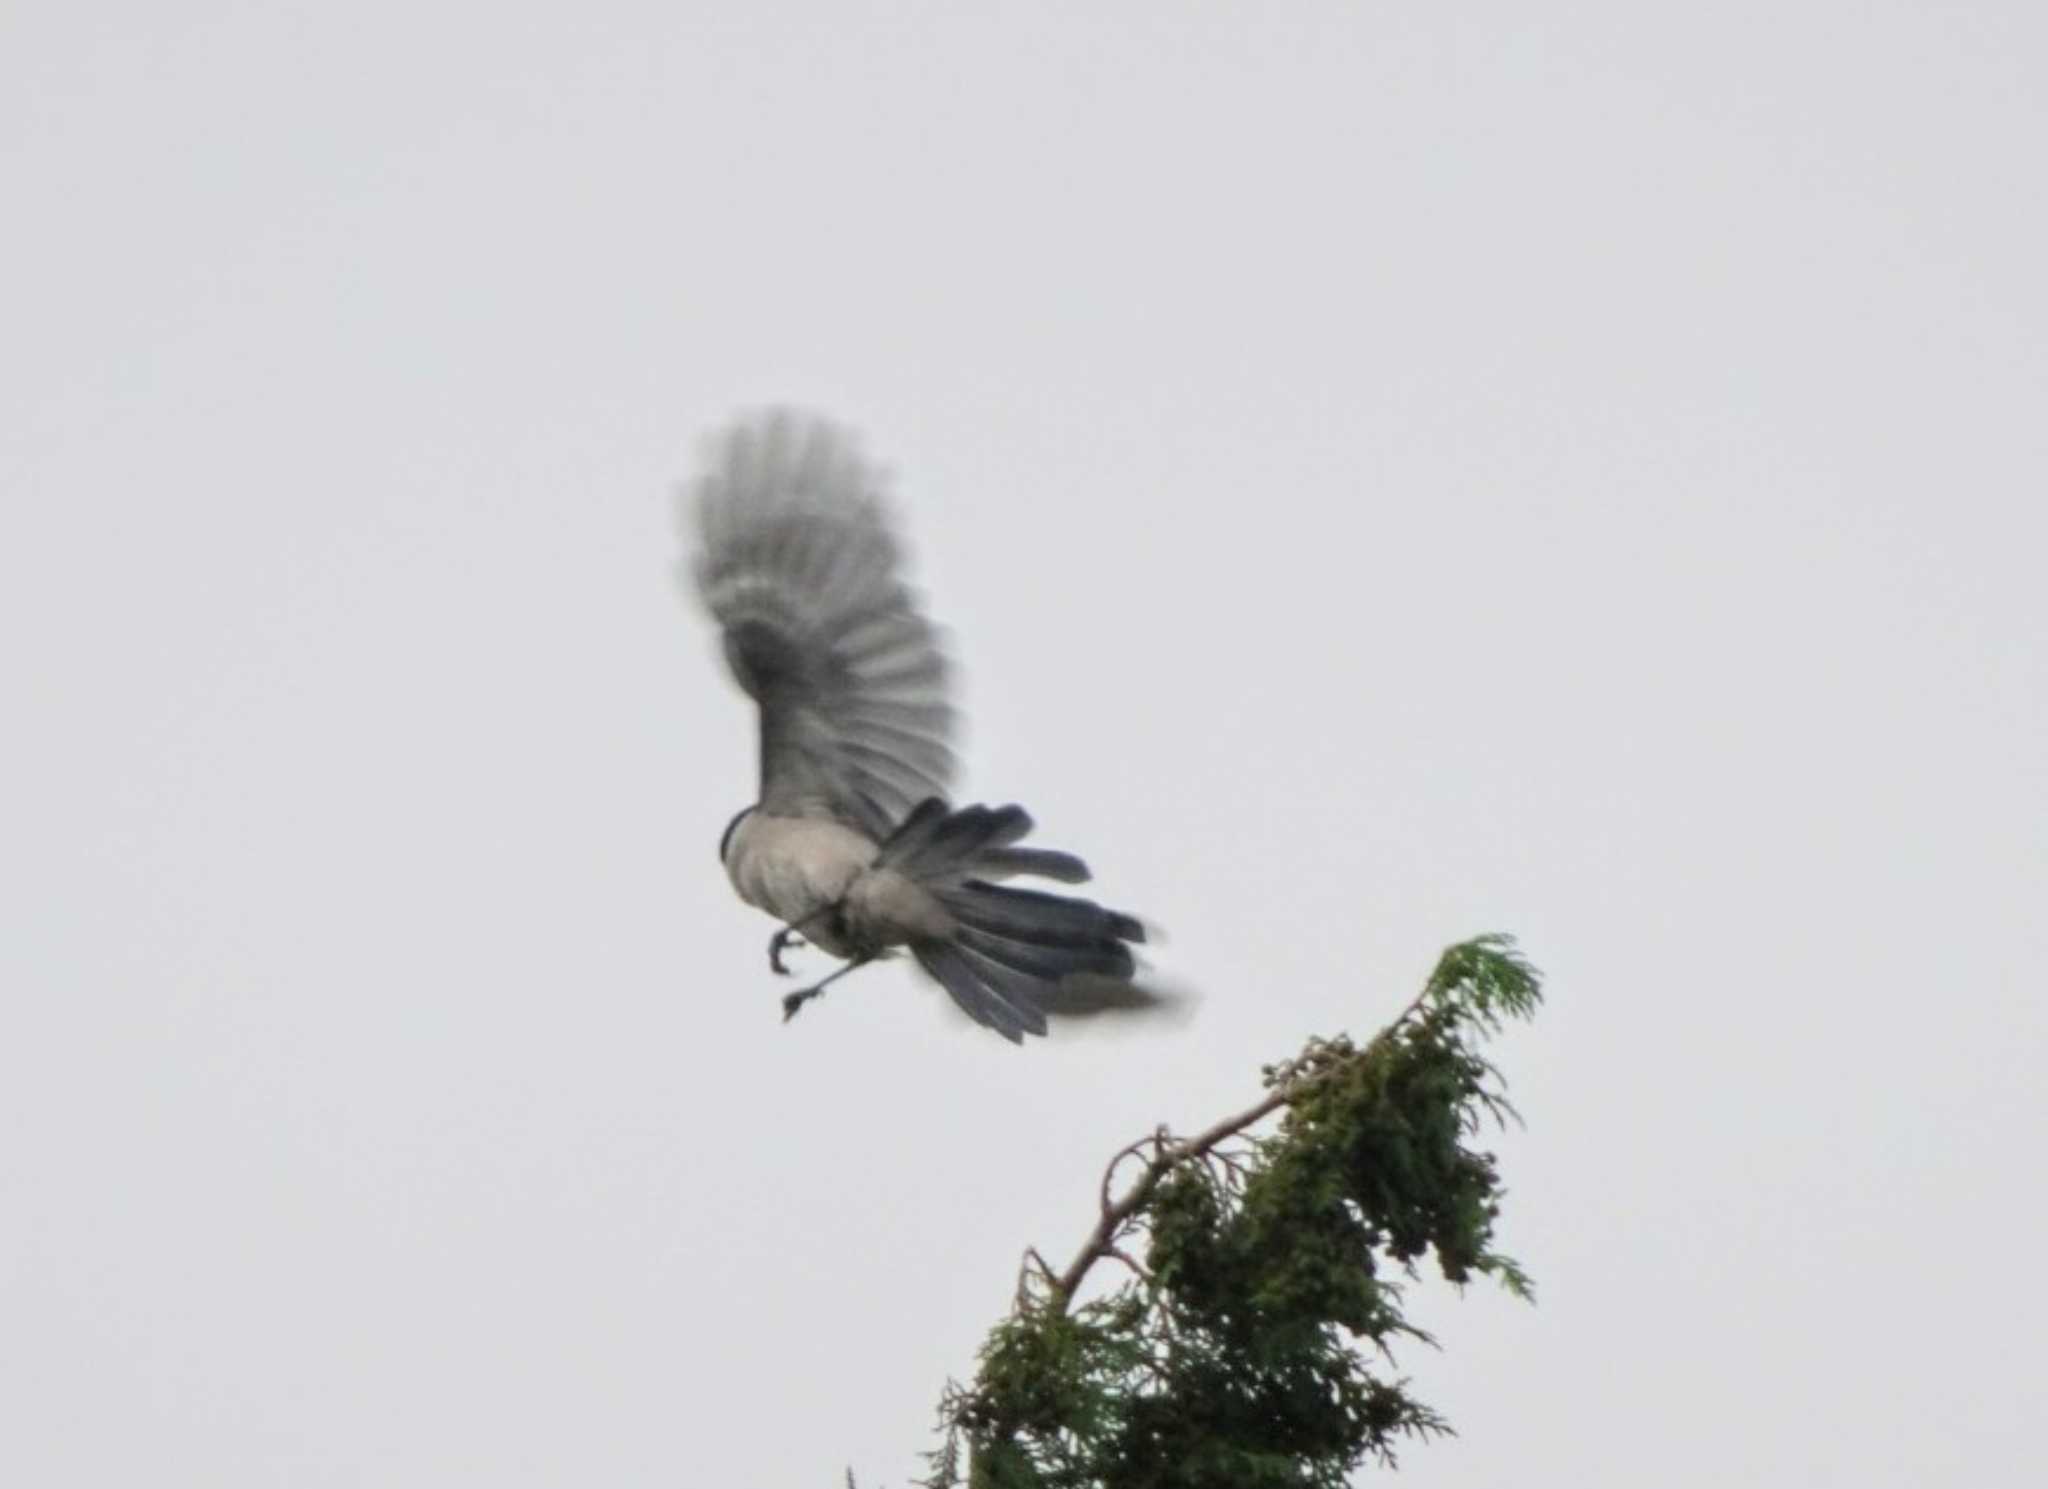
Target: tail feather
1013 955
971 831
934 848
1039 863
1109 957
1011 1016
1035 915
916 830
1020 989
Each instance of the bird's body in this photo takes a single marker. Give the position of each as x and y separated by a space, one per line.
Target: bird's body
795 867
852 844
802 869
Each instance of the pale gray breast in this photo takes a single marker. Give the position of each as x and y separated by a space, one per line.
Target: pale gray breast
793 867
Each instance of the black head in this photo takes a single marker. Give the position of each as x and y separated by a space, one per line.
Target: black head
725 838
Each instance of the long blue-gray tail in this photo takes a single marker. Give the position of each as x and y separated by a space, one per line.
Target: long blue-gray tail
1016 955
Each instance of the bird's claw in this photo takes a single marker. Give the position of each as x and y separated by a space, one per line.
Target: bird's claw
791 1002
783 940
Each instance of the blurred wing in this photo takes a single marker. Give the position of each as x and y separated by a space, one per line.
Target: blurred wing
799 566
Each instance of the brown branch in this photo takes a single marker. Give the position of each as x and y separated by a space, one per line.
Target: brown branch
1130 1150
1168 1155
1137 1269
1024 1268
1102 1240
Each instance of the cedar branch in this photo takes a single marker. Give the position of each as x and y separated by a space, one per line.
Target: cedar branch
1168 1155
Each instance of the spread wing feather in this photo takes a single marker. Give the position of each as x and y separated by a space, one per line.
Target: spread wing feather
798 564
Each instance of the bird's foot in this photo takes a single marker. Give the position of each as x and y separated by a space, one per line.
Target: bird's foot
793 1001
783 940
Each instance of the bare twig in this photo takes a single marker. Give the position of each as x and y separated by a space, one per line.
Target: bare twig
1130 1150
1130 1261
1232 1164
1033 1261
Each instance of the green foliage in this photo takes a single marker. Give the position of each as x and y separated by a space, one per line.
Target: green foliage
1247 1349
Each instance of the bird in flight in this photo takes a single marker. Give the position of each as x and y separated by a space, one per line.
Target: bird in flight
853 845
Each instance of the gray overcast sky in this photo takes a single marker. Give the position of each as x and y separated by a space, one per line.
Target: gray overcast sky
1390 474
